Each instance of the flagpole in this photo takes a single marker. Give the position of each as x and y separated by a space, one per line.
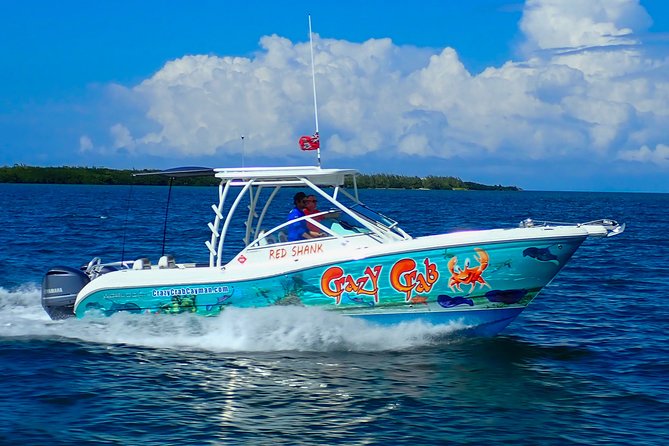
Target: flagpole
313 82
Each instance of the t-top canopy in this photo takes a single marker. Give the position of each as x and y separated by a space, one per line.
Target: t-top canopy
316 175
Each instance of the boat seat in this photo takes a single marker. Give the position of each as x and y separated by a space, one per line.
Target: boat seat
262 241
142 263
265 239
270 239
167 262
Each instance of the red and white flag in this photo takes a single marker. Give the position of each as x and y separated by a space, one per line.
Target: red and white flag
310 142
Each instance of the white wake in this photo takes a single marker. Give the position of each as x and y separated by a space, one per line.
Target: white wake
235 329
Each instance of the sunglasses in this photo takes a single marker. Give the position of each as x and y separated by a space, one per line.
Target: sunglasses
312 201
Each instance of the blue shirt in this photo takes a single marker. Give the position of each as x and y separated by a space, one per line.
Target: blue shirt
297 229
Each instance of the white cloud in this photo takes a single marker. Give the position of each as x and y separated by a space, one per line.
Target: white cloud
85 144
586 88
553 24
659 156
122 139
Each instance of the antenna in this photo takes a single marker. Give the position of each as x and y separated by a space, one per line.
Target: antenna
313 81
125 221
167 210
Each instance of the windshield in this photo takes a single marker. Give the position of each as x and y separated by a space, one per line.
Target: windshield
374 216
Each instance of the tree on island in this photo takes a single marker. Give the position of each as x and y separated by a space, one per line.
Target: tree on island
20 173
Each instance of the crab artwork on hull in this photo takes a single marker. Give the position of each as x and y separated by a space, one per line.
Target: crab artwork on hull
468 275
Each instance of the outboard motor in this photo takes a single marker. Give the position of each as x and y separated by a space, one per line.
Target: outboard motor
60 287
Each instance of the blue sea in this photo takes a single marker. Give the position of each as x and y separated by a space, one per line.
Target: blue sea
586 363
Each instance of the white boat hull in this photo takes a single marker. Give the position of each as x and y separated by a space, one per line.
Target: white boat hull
480 279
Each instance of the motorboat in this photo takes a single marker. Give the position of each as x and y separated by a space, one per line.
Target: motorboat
362 264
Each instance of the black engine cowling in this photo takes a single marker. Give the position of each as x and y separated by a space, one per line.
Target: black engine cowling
60 287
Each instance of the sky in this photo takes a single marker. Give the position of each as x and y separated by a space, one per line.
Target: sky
568 95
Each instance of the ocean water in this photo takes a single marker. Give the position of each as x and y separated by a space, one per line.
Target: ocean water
586 363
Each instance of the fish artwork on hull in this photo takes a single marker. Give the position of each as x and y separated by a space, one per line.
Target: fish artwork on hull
541 254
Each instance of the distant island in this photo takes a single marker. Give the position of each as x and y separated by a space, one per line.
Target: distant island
20 173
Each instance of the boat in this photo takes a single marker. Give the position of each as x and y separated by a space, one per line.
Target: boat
362 264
